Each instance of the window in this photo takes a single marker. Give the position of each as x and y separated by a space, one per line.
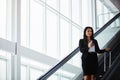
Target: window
35 74
3 18
65 8
36 26
64 36
24 72
76 8
52 34
3 68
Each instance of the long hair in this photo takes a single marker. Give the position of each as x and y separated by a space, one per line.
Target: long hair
85 37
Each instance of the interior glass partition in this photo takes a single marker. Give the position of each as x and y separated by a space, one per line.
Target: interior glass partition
68 71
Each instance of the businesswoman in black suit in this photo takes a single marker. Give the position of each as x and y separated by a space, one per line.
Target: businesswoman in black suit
89 49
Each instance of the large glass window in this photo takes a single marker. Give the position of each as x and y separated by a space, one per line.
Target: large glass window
31 69
65 7
24 22
86 13
40 22
76 35
5 65
24 72
104 13
52 3
35 74
5 29
50 27
36 26
52 34
64 36
53 27
3 68
3 17
32 25
76 11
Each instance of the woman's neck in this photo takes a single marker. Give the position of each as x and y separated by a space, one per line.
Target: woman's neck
88 39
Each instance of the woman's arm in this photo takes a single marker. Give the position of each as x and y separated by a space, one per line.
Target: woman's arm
97 48
83 48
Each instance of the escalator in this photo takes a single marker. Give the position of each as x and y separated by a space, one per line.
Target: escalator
107 36
115 50
113 73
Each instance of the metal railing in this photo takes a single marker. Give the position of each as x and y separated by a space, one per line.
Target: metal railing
113 68
105 66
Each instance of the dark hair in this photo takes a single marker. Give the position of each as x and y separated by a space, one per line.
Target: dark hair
84 36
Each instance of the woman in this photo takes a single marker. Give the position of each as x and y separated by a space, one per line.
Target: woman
89 49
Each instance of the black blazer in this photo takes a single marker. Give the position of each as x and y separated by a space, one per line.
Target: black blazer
83 46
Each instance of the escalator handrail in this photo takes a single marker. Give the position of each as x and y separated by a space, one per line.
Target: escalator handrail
63 61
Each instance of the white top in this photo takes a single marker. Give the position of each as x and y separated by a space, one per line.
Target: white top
92 49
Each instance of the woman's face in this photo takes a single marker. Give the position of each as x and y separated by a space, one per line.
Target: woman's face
89 32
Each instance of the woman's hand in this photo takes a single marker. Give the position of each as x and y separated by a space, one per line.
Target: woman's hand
107 49
90 44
